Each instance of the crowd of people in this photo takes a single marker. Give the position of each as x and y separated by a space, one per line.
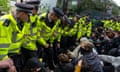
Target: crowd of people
56 42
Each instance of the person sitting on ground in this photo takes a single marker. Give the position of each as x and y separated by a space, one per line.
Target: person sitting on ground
64 64
89 58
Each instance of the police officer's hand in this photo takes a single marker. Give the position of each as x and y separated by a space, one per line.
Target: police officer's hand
12 69
58 45
51 45
54 34
47 45
4 64
10 61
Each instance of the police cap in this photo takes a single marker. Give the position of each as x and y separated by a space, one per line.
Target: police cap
58 12
66 19
24 7
33 2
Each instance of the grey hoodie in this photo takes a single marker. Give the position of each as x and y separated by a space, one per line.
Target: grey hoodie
93 61
115 61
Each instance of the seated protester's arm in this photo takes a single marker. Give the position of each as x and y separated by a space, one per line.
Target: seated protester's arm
75 52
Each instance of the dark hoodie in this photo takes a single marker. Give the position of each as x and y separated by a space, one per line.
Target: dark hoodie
64 67
93 61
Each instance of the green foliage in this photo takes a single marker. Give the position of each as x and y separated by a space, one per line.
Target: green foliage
116 10
99 5
4 5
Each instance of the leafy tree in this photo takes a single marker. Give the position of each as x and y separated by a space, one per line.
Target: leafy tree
4 5
99 5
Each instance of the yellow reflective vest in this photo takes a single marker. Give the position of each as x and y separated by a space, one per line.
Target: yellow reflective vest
5 41
14 33
49 33
32 34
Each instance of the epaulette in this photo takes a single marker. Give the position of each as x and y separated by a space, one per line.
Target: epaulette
6 22
42 18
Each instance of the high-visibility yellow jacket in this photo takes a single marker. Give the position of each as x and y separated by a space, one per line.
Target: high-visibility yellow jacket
5 41
14 33
49 33
32 34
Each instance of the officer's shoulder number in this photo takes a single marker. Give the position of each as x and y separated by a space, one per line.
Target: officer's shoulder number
6 22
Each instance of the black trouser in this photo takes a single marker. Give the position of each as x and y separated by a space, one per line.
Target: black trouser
71 40
18 61
56 52
3 70
48 52
108 67
48 56
63 44
27 54
40 50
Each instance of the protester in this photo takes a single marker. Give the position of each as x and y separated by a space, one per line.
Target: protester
90 58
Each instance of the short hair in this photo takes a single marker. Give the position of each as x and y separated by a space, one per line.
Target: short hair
63 58
88 45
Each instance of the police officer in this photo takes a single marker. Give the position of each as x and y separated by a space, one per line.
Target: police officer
17 24
29 48
50 22
65 26
5 61
34 26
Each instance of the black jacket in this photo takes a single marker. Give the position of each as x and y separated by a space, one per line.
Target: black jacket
64 67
